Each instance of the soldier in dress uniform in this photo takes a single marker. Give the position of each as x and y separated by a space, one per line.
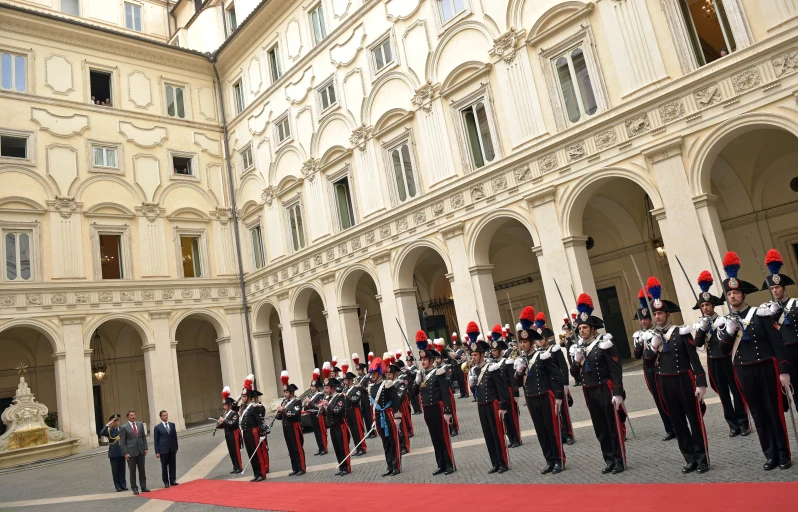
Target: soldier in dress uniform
335 415
719 366
400 386
402 375
252 429
443 362
456 356
542 380
558 354
353 393
491 392
784 308
411 370
433 386
596 362
640 338
570 339
681 380
365 406
232 434
312 407
498 346
760 362
387 415
290 414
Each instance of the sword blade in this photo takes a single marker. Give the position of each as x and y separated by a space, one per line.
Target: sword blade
629 419
761 268
567 316
715 264
642 284
686 277
792 416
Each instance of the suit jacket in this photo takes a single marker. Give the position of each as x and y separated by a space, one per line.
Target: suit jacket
165 442
113 435
131 444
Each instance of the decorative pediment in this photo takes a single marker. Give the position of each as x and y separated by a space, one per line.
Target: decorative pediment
557 19
109 209
60 126
298 90
17 204
343 54
189 213
143 137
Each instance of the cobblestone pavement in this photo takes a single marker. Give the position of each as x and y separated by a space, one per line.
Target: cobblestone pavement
650 460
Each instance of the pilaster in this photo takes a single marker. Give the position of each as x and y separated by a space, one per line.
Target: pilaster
163 362
74 384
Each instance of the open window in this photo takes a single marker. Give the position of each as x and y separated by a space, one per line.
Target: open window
111 256
343 203
18 254
190 250
100 85
182 165
708 28
13 146
256 238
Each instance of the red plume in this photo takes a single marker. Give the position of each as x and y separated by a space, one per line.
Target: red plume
409 353
316 374
371 356
421 335
528 313
540 317
248 381
226 393
356 359
345 367
398 354
454 338
472 327
326 369
284 377
335 361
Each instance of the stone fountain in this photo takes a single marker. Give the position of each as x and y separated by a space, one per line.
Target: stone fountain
28 438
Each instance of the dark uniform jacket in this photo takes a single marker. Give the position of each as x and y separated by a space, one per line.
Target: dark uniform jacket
252 416
788 318
230 424
489 385
678 354
336 410
600 366
388 397
114 448
712 338
292 411
759 341
313 403
353 397
434 389
542 374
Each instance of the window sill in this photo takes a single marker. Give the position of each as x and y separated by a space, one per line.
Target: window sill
446 25
329 110
183 177
106 170
377 73
17 161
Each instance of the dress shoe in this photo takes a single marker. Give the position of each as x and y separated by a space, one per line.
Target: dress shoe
317 454
438 471
450 470
785 463
124 488
173 483
503 469
669 436
118 489
770 464
395 472
387 473
261 479
255 479
338 473
734 432
745 432
166 485
493 470
292 473
144 489
235 472
548 469
300 473
618 469
135 491
557 468
701 469
570 441
404 451
689 468
324 453
359 453
608 468
454 434
344 473
516 444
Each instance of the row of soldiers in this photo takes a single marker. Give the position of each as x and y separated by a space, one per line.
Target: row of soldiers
752 352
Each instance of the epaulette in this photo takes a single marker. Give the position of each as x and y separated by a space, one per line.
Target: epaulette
493 367
440 371
554 348
605 345
388 383
545 355
763 311
685 329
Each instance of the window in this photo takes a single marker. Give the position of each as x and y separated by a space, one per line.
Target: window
231 18
382 54
343 203
296 226
104 157
175 103
238 96
111 256
192 258
478 137
246 158
182 165
708 29
403 174
451 8
71 7
317 30
576 89
18 251
282 129
257 247
274 63
327 96
198 5
133 16
13 147
100 85
12 72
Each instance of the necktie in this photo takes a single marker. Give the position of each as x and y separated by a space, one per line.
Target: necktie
135 430
167 427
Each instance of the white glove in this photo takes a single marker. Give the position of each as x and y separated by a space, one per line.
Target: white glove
502 413
774 307
579 356
418 378
731 327
519 365
720 322
700 391
636 338
470 381
656 342
617 402
785 381
557 405
697 326
262 438
448 418
704 323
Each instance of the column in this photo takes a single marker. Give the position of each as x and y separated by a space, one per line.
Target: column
74 385
351 327
225 360
296 344
180 422
710 227
465 303
367 178
339 344
681 232
389 307
581 271
435 151
485 294
264 363
239 362
408 316
163 366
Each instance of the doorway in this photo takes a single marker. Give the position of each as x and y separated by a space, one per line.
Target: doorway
99 423
613 320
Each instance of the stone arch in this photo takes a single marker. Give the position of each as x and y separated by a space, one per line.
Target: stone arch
348 280
515 10
214 318
716 140
301 297
261 312
79 187
48 189
336 117
759 190
160 195
575 199
382 83
43 328
480 234
433 63
284 165
407 258
242 191
141 326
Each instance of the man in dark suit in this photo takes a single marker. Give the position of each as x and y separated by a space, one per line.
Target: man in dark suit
166 448
115 455
134 447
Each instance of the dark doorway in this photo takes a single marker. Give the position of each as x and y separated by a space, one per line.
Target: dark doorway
111 256
5 403
99 421
613 320
100 83
435 326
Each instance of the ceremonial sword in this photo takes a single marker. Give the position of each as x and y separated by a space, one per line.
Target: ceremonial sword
791 396
567 316
258 447
686 277
717 270
761 268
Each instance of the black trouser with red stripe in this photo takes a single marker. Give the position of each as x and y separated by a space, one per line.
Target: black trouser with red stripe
234 448
355 422
761 389
386 429
679 400
365 412
650 374
543 410
319 430
295 440
512 420
260 462
439 434
609 433
339 434
566 427
493 430
459 377
721 378
454 427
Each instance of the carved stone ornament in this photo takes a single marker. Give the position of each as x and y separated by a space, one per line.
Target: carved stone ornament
82 297
707 97
294 270
786 63
638 125
309 168
255 287
370 237
317 260
401 225
187 293
268 195
355 244
606 139
33 299
58 298
127 296
148 295
457 201
522 174
205 293
151 211
105 296
330 254
504 45
576 151
275 279
360 136
419 218
548 163
224 215
437 209
343 250
385 231
746 80
671 111
478 192
306 265
284 274
8 300
25 422
424 96
499 183
65 205
168 294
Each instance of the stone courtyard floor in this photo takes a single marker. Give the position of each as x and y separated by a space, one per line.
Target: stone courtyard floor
83 482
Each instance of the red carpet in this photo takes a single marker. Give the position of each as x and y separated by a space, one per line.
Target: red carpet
331 497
